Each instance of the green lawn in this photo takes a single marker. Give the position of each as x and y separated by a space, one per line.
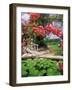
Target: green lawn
54 45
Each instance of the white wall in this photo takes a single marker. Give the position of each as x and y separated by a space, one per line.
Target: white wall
4 45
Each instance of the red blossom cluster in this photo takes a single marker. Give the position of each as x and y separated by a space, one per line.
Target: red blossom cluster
50 28
40 30
35 16
46 30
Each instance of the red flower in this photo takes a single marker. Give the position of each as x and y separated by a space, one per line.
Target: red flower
35 16
41 27
50 28
40 31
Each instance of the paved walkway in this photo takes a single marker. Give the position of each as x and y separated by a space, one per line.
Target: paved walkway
45 54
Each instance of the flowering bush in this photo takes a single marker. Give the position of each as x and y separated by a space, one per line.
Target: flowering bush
38 25
50 28
35 16
33 19
40 31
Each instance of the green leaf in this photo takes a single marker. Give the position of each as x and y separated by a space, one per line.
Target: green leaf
39 67
34 72
42 72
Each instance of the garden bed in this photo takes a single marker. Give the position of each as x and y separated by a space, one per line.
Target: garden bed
40 66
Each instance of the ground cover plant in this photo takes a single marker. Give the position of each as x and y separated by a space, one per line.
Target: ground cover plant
41 67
